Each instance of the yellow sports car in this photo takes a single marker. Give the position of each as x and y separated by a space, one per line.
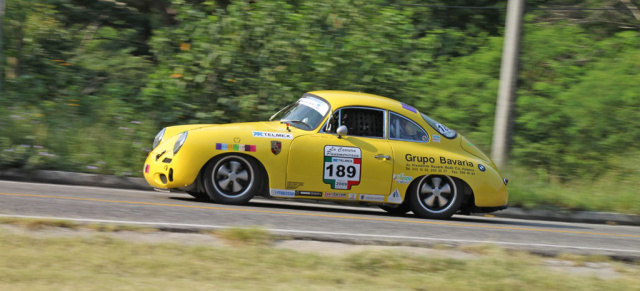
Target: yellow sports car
332 145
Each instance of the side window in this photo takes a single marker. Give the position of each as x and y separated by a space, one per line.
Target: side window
363 122
359 122
401 128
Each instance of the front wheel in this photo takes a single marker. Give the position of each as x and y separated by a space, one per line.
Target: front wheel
232 179
396 209
435 196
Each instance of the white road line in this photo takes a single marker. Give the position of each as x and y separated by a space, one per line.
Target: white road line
276 230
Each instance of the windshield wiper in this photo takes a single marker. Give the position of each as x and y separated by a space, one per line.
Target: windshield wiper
297 122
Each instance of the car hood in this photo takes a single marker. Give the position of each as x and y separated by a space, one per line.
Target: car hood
260 126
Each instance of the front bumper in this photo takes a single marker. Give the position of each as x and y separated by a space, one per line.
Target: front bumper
163 170
158 170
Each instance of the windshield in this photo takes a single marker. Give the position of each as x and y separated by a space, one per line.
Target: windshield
306 113
439 127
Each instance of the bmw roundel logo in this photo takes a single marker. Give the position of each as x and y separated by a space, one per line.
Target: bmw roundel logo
481 167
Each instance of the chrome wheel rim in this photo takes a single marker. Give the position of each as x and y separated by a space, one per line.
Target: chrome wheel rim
436 194
232 176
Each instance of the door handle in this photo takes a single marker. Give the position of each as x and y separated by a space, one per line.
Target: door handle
384 157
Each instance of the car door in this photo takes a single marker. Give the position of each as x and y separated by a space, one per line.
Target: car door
412 155
358 162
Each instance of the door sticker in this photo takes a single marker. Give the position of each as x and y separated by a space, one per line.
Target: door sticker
394 197
342 167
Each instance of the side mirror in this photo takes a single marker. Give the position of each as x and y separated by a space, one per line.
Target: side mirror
342 130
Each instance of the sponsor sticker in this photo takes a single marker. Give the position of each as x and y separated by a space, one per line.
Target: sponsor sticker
394 197
465 163
436 138
444 130
342 166
265 134
294 185
282 193
334 195
353 196
309 193
405 106
402 179
235 147
315 104
371 197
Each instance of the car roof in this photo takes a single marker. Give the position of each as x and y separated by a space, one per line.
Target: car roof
339 99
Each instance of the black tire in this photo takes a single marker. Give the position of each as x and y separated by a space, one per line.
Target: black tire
232 179
396 209
200 196
435 196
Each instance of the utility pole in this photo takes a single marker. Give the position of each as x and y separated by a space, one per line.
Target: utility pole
2 5
508 77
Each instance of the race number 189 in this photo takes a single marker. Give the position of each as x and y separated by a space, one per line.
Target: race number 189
342 167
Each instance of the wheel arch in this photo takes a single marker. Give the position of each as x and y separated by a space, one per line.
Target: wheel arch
465 189
468 201
264 186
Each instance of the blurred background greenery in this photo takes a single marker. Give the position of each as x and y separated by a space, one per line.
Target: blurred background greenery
87 84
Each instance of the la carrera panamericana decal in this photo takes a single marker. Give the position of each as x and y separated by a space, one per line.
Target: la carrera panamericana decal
342 166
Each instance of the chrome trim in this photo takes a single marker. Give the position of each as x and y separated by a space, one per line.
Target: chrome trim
385 157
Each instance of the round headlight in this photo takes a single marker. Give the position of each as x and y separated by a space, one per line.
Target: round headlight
158 138
179 142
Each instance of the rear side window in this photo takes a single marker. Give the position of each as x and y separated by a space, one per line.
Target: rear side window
402 128
439 127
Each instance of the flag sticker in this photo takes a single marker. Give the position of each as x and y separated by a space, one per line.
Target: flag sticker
235 147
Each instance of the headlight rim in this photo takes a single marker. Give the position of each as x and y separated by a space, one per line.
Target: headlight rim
158 138
182 138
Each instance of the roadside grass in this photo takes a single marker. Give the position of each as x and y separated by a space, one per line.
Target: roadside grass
611 192
39 224
246 236
30 262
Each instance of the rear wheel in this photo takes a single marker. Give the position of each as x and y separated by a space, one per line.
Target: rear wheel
435 196
232 179
200 196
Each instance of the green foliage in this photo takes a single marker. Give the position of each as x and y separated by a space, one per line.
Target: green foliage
577 101
88 83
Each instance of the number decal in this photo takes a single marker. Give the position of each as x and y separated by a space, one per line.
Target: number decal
342 167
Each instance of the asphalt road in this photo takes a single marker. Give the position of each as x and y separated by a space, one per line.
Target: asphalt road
310 220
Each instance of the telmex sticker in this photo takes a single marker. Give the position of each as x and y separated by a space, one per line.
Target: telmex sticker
282 193
272 135
369 197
